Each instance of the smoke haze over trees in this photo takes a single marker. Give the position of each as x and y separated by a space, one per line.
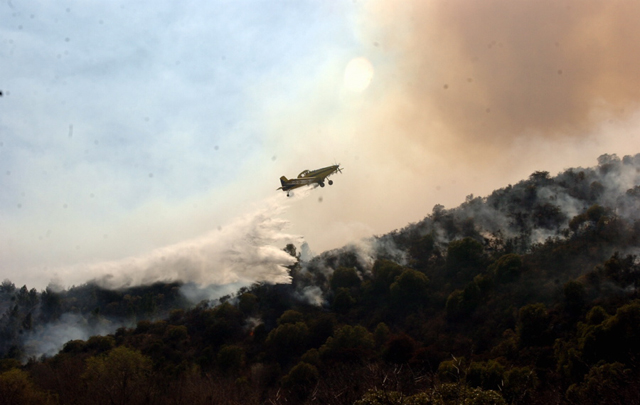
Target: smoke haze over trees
526 296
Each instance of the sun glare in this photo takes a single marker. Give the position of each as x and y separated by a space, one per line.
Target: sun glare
358 74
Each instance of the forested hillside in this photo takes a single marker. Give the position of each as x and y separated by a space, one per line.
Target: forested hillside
527 296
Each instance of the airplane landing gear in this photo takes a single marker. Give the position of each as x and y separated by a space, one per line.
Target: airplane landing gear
321 184
330 182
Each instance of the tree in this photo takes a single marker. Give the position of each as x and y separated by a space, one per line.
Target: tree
7 287
321 326
455 305
384 274
290 316
605 383
348 344
488 375
465 258
507 268
51 305
222 323
533 325
230 358
343 301
616 339
520 384
288 340
381 334
301 379
574 297
16 388
409 290
118 378
548 216
422 250
345 277
597 315
399 349
248 303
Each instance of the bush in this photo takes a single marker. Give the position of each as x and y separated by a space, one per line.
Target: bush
344 277
230 358
348 344
301 380
16 388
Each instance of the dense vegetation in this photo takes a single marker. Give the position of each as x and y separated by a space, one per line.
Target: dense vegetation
527 296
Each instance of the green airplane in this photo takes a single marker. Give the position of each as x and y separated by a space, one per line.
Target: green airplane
309 177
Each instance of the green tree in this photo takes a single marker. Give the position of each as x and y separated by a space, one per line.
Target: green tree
343 301
348 343
399 349
17 388
617 339
7 287
290 316
520 384
452 370
288 340
488 375
321 326
222 324
344 277
465 258
381 334
230 358
507 268
605 383
421 250
119 377
574 297
384 274
455 305
597 315
301 379
248 303
409 289
51 305
533 325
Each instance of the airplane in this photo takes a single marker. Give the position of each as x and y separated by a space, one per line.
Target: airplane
309 177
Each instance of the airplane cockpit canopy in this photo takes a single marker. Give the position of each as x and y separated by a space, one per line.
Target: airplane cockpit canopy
303 173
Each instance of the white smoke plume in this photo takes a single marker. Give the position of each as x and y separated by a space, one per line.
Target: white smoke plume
49 339
249 249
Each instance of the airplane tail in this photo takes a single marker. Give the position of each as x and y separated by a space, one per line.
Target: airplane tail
283 181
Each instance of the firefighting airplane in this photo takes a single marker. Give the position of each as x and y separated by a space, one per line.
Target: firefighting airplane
309 177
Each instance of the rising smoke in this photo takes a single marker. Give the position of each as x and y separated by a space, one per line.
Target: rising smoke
468 96
475 77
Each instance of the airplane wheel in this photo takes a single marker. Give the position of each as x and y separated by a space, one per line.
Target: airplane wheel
330 182
321 184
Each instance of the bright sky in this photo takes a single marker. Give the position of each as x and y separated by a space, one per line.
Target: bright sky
128 129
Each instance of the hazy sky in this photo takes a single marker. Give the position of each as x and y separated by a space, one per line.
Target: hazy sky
155 133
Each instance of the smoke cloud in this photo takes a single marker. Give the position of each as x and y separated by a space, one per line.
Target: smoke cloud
475 77
467 97
50 339
247 250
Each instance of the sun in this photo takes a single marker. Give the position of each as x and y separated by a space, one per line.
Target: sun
358 74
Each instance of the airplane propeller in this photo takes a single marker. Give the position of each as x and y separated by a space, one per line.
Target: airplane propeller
338 169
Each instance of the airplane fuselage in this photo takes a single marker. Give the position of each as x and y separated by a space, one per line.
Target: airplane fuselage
309 177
